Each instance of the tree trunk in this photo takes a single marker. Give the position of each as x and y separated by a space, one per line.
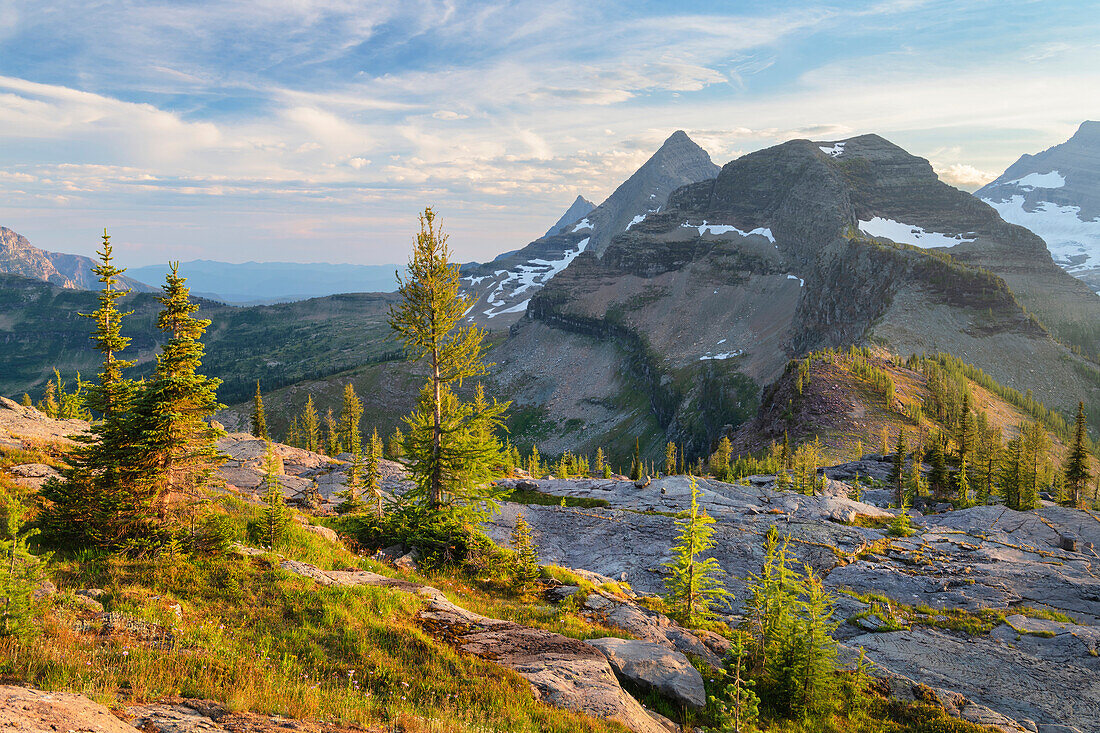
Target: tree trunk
436 494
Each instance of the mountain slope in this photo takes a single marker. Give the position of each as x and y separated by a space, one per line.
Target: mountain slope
502 288
1056 194
19 257
783 253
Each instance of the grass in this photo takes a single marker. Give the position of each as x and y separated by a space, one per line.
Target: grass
895 616
264 640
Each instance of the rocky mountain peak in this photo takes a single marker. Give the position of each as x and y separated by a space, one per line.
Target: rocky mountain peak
580 208
1056 194
74 272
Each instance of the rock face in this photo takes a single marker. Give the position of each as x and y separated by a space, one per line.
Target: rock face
564 672
19 257
18 424
1056 194
580 208
502 288
985 557
802 246
25 710
652 666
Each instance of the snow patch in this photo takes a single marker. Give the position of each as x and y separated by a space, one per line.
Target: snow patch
801 282
582 224
835 151
721 356
532 274
727 228
1032 181
909 234
1074 243
636 220
475 280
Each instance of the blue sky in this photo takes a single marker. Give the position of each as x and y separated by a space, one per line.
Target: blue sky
314 130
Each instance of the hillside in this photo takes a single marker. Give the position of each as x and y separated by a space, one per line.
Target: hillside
41 328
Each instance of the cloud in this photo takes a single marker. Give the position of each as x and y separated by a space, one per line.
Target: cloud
963 176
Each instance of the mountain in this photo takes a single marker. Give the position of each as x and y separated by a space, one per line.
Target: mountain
502 288
40 328
1056 194
673 330
580 208
254 283
19 257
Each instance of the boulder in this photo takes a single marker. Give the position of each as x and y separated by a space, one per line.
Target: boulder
653 666
326 532
27 710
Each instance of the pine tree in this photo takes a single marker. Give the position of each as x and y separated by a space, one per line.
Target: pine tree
771 602
351 413
452 459
469 457
897 470
311 427
915 486
534 467
259 421
19 571
27 400
332 435
372 479
720 459
106 494
599 465
962 486
1035 448
395 448
816 652
670 458
636 462
1077 463
938 477
276 515
526 567
738 708
693 584
172 409
1010 474
294 433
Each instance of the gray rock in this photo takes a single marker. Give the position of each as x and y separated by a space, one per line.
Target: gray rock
28 710
653 666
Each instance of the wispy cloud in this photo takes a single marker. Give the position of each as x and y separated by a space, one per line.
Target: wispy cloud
254 126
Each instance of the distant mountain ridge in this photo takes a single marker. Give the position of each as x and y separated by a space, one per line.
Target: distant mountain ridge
250 283
1056 194
74 272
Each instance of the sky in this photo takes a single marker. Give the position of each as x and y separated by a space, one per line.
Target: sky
315 130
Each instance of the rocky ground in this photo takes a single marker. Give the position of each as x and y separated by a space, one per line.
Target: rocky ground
918 606
973 559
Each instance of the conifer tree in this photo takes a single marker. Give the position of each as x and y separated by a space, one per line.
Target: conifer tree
294 433
636 462
962 486
27 400
276 515
526 568
897 470
1035 449
19 571
1010 474
351 413
599 460
332 435
372 479
816 651
720 459
670 458
534 467
395 448
915 486
311 427
259 420
938 477
172 409
427 322
772 596
105 496
1077 463
693 584
738 708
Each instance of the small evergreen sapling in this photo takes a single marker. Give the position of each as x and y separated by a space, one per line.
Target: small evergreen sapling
276 516
19 571
259 419
693 584
526 568
737 709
